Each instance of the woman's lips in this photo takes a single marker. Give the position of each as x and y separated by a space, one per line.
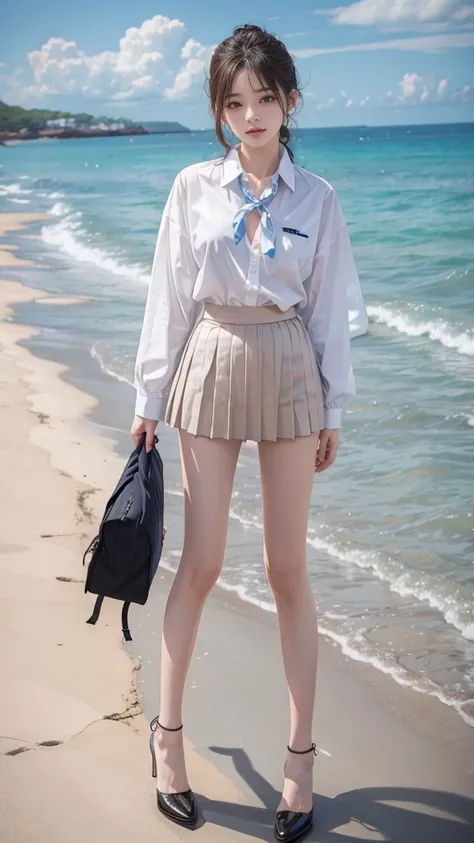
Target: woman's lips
255 131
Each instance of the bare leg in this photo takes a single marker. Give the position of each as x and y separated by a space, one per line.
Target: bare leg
208 475
287 468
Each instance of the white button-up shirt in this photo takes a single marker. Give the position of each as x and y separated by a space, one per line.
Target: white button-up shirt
196 261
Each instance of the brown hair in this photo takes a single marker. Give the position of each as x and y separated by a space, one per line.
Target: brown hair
254 49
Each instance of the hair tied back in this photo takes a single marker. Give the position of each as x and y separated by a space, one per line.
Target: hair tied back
252 48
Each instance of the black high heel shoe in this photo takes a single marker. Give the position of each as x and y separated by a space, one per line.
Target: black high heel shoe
180 808
293 825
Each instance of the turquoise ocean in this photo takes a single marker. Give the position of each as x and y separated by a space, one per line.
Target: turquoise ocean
391 538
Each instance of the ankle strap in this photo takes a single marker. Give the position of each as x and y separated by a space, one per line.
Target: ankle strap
312 748
155 723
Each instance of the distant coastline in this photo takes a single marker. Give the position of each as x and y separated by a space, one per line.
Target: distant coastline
20 124
68 133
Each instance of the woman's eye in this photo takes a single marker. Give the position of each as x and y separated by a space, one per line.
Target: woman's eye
268 98
233 104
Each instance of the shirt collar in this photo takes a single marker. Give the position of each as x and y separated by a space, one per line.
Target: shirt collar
232 168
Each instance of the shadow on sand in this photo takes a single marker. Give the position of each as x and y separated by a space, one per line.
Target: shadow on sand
398 814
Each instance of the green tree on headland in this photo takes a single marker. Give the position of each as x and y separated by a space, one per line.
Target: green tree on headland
13 118
17 123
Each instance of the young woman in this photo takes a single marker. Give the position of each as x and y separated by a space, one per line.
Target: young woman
246 336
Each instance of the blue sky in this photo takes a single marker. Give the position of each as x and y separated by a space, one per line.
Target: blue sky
376 62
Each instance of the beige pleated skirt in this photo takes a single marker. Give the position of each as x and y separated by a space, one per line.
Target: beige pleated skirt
247 373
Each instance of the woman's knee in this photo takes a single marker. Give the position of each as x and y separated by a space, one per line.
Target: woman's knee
286 574
200 568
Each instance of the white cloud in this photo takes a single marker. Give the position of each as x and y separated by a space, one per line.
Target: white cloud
198 58
370 12
425 96
184 80
413 89
16 88
465 94
342 101
147 58
426 44
345 100
192 49
331 103
417 90
410 87
442 88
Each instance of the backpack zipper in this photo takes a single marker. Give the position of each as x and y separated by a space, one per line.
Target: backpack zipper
91 549
127 508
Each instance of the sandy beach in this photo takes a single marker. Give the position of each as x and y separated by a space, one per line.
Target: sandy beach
15 223
72 733
393 764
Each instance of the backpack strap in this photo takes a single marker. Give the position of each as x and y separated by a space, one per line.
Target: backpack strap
96 611
125 628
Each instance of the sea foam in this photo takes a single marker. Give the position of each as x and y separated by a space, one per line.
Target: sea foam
440 331
69 236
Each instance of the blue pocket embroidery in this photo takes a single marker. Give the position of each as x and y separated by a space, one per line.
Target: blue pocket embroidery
295 231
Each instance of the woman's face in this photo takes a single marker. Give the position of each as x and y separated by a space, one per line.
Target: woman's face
253 113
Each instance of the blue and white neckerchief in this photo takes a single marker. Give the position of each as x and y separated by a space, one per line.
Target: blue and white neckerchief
267 238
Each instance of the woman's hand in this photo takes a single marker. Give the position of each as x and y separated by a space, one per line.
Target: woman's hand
144 426
327 449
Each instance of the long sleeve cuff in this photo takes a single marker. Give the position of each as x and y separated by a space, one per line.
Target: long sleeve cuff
332 418
150 406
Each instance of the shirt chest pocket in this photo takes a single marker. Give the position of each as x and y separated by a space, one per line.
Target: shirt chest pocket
295 247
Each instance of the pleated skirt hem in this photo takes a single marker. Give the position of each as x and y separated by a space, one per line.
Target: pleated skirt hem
254 382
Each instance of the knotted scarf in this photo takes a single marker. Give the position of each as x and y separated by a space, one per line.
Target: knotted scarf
267 239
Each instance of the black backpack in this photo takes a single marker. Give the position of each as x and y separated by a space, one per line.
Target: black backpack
127 549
